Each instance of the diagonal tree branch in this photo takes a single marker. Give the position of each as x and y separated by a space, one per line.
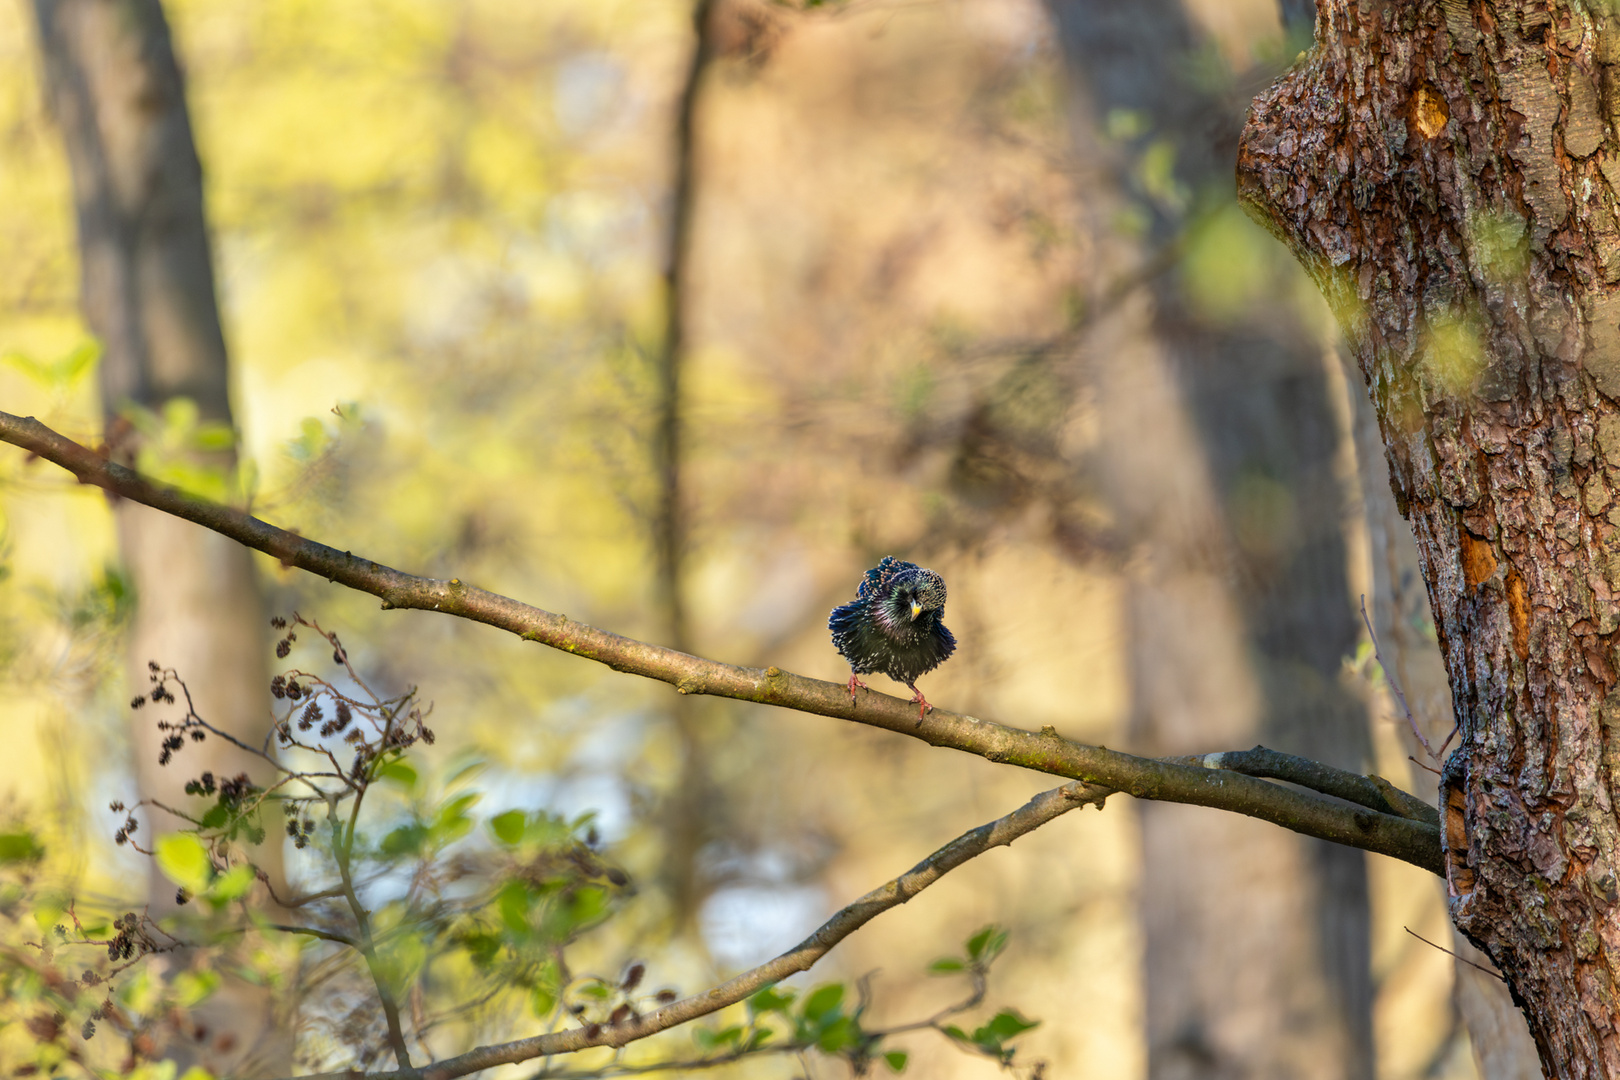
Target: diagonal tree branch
1032 815
1400 837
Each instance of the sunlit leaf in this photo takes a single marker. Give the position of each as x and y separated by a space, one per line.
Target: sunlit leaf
398 772
896 1060
513 901
20 847
184 860
194 987
508 827
232 885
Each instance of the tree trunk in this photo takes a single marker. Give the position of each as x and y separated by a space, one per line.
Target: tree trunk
1239 609
1398 607
147 292
1442 170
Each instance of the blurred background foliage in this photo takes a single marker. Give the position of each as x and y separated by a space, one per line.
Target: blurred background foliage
440 232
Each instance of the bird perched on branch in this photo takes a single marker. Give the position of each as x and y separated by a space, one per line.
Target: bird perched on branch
894 625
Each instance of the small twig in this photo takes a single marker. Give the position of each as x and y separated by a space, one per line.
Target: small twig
1395 687
1493 974
310 931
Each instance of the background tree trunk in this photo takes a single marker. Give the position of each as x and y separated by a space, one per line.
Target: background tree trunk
147 292
1442 171
1256 940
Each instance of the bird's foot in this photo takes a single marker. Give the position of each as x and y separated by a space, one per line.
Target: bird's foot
854 681
923 708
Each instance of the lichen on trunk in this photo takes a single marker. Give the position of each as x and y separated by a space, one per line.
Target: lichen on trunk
1448 173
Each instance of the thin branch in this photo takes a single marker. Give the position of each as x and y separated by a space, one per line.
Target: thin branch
1373 792
341 849
1032 815
1400 698
310 931
1415 842
1497 975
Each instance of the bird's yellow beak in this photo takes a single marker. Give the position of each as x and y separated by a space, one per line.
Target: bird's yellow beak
916 609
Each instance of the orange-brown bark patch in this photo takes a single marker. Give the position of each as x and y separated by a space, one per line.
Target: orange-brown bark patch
1459 877
1519 613
1478 560
1426 112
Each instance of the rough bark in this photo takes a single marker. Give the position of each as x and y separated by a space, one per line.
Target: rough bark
1443 171
1239 608
147 292
1398 607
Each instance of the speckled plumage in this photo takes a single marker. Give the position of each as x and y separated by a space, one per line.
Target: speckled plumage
894 626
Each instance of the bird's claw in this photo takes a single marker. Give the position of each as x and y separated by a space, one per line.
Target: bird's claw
854 681
923 708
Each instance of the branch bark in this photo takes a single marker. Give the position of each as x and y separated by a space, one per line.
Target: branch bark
1402 838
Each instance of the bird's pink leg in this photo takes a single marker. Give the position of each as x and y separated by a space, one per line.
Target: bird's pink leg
923 708
854 681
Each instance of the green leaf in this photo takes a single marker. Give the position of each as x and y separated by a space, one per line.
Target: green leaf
405 840
945 965
771 999
823 1001
508 827
49 907
482 949
839 1035
896 1060
197 1072
216 816
232 885
214 435
513 902
706 1038
957 1033
710 1039
542 1001
987 944
19 847
451 822
195 987
400 957
581 907
399 773
1003 1026
184 861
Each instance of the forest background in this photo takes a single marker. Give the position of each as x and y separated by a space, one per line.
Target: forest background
926 300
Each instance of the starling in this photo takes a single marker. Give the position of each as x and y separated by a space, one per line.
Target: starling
894 626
